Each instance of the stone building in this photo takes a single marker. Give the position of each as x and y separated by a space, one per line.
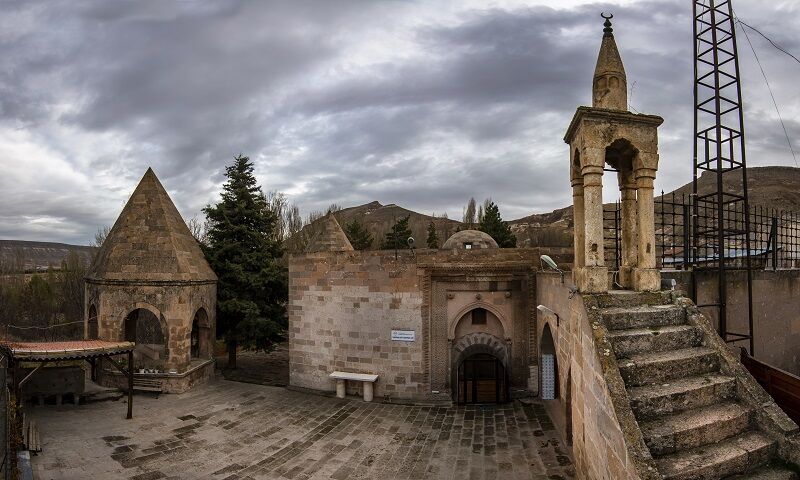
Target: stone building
151 284
637 381
455 324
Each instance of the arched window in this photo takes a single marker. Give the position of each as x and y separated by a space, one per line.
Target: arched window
479 320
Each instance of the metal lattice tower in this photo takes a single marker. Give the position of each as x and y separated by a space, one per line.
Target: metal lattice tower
721 221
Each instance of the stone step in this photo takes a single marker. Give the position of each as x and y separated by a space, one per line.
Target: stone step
693 428
629 298
651 401
654 339
617 318
770 472
660 367
735 455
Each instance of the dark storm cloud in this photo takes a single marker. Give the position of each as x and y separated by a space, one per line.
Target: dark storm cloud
419 104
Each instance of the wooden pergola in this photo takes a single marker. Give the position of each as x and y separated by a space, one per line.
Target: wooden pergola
42 353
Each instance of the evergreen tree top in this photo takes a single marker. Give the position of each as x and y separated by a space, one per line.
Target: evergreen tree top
493 224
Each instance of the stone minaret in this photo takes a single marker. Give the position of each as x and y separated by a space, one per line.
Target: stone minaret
610 86
608 134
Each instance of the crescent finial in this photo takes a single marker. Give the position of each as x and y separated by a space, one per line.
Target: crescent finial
607 24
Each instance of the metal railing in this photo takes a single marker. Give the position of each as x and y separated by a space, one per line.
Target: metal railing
774 236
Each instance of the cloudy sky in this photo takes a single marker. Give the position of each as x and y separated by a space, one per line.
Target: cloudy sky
423 104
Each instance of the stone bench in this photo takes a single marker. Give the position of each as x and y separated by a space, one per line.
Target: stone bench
366 378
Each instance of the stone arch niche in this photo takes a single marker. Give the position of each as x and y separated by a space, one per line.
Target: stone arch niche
202 339
91 324
480 356
478 319
547 348
146 329
481 369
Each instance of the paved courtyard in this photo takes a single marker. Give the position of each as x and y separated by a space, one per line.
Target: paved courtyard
232 430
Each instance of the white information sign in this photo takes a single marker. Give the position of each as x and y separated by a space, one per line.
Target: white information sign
403 335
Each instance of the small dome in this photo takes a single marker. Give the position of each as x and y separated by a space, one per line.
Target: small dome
469 240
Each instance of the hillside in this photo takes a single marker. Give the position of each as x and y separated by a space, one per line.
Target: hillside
38 255
770 187
378 219
773 187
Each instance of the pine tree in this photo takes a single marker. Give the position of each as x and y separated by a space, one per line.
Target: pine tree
397 237
494 225
360 238
244 251
433 238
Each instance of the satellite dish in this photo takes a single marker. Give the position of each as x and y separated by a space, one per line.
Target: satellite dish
410 242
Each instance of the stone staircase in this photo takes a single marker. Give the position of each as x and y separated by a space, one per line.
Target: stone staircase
687 409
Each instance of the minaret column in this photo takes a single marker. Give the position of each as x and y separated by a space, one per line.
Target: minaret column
593 277
578 216
578 220
646 277
629 217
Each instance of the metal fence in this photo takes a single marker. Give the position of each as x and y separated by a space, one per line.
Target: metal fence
774 235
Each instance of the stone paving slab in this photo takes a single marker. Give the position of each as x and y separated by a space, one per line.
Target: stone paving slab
230 430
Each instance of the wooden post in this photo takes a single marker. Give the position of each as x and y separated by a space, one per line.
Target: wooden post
130 385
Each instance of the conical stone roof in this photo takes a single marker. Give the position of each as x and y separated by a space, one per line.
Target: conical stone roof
330 237
150 242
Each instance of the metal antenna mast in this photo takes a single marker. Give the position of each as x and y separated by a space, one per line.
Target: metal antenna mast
721 217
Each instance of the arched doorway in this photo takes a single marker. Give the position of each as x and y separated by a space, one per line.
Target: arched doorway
549 365
92 328
144 328
201 335
482 379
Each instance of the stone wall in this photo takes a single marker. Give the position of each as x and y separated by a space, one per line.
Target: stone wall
585 412
776 311
199 372
174 306
343 307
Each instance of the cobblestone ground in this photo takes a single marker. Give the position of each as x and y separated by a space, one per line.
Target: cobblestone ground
231 430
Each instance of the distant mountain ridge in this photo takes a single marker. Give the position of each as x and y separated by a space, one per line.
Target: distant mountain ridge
30 256
770 187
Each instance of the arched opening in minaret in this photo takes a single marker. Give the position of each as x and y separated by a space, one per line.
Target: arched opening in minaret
144 328
621 154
